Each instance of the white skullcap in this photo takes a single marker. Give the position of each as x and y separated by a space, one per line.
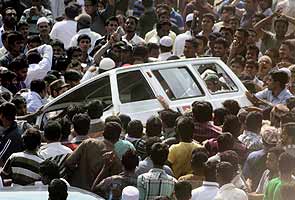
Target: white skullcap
166 41
42 20
189 17
107 64
130 193
286 70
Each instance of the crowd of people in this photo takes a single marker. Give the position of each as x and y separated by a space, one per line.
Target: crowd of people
227 153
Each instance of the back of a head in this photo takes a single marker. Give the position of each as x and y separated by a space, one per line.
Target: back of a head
286 163
49 170
18 63
185 128
169 117
38 86
81 123
153 126
159 154
225 172
125 119
95 109
225 142
52 131
210 172
72 10
198 161
130 160
113 118
202 111
281 77
58 190
72 75
112 131
232 125
135 129
232 157
31 139
183 190
232 106
254 121
219 116
8 110
150 142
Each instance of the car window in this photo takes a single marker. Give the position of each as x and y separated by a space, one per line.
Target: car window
178 83
215 78
133 87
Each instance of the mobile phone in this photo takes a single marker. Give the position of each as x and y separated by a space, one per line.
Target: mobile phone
120 32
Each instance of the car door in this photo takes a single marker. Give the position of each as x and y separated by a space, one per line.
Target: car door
136 96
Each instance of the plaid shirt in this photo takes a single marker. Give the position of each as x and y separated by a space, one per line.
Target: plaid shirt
251 140
155 183
206 131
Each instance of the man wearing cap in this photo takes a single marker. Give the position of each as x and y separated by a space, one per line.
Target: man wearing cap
43 27
31 15
98 18
166 45
181 38
83 27
66 29
130 27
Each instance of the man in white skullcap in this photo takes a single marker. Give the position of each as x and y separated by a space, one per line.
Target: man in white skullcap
43 26
166 45
130 193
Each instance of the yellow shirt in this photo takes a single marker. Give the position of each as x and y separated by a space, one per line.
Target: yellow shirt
180 156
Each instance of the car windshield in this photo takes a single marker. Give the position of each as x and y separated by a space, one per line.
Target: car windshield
178 83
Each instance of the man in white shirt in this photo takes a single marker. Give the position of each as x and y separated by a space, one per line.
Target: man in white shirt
83 27
130 27
210 187
166 45
181 38
39 70
228 191
54 150
66 29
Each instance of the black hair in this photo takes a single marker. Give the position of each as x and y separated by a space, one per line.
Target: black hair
20 24
83 37
153 126
210 16
52 131
14 36
57 43
38 86
58 189
66 128
74 109
95 109
125 119
232 157
183 190
222 41
134 18
113 18
18 63
31 139
151 46
159 153
72 10
173 58
71 51
61 64
219 115
185 128
232 125
244 31
34 39
33 57
202 111
72 75
130 160
198 160
113 118
140 51
254 121
226 171
232 106
255 48
252 63
169 117
81 123
149 143
281 77
210 171
56 73
228 8
50 169
286 163
8 110
18 101
112 131
225 142
193 41
135 128
238 59
4 36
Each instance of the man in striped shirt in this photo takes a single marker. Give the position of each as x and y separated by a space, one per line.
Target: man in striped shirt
23 167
